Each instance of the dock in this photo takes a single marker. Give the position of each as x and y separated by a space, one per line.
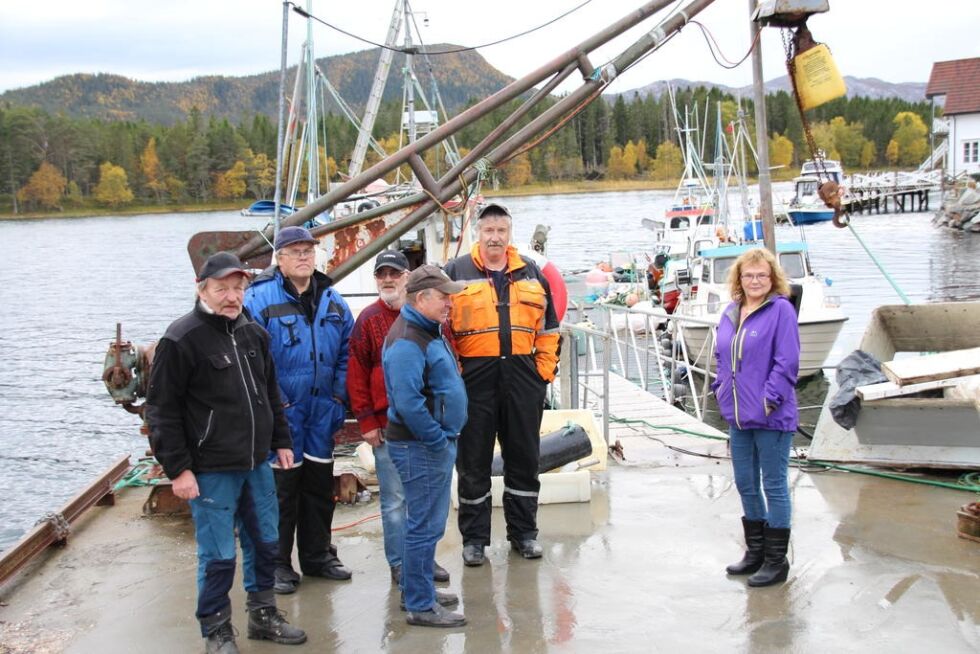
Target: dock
649 429
653 541
890 192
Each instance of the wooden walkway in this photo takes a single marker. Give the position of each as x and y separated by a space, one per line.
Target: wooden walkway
649 442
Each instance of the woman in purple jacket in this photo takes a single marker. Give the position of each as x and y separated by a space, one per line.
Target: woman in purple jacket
758 358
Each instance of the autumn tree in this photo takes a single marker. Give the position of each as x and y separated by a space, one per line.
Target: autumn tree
911 136
891 152
113 187
780 151
261 174
45 188
151 170
669 163
230 185
517 171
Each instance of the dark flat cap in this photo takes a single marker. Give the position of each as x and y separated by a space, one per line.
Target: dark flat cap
429 276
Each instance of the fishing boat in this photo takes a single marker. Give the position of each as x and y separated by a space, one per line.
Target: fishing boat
806 207
267 208
928 413
819 313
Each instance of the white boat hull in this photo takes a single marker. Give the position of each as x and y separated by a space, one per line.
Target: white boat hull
816 341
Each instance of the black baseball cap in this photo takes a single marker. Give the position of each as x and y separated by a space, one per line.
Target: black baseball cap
391 259
220 265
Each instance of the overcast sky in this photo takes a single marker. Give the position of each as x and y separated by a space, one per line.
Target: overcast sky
173 40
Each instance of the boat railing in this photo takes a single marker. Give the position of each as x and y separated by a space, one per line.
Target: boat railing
645 345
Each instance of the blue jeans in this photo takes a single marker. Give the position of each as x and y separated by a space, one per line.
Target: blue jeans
392 504
426 477
243 500
760 460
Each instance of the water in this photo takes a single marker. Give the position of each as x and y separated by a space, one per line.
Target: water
67 282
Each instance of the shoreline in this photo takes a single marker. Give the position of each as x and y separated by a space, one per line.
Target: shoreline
564 188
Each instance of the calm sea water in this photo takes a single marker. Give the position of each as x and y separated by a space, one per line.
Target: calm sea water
66 283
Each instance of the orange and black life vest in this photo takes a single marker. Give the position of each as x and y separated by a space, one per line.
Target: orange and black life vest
519 319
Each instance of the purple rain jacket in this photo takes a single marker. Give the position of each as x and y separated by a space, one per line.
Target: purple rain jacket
757 365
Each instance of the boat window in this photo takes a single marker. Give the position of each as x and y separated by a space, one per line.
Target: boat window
792 263
806 188
679 223
705 219
721 266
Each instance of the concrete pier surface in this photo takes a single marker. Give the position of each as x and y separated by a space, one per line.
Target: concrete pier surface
876 566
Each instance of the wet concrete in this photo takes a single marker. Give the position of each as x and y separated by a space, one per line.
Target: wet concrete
876 565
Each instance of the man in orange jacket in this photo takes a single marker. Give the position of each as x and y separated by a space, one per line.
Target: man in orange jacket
506 334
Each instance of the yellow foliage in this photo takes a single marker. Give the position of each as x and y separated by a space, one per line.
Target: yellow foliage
113 187
780 150
230 185
517 171
45 187
669 162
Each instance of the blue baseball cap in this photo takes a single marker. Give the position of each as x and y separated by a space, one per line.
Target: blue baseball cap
290 235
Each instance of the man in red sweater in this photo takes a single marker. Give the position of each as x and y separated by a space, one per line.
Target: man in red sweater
369 401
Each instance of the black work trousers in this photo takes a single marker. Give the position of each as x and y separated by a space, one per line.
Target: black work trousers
306 506
505 402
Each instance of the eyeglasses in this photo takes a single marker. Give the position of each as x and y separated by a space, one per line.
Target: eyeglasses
298 254
389 273
748 277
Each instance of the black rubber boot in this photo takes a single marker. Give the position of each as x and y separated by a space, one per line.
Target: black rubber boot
775 568
268 623
754 548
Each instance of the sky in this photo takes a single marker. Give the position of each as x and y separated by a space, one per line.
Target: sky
176 40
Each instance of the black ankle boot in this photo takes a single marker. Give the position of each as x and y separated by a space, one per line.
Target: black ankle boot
775 568
754 548
268 623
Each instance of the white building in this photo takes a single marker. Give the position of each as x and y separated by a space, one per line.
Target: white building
958 82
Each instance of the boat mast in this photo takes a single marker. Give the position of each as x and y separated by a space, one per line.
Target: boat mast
377 91
409 82
761 135
281 129
312 114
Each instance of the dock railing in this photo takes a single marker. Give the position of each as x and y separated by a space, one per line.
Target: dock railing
655 350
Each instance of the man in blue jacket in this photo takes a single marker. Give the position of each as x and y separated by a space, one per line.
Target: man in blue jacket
310 326
426 411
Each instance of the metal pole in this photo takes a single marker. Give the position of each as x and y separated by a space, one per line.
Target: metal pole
281 136
762 135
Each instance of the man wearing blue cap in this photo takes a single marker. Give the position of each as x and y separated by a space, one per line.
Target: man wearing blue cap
310 325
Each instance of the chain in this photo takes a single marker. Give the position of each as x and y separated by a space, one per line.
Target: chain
58 522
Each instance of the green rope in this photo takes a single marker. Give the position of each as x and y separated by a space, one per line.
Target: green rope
680 430
964 483
884 272
969 481
135 476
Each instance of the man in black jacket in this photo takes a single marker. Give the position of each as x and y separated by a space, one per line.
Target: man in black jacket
215 414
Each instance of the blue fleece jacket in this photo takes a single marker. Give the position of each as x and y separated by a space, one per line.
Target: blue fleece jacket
425 390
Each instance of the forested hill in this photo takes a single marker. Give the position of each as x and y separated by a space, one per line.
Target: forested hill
461 77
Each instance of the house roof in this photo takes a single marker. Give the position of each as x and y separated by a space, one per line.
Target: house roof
959 81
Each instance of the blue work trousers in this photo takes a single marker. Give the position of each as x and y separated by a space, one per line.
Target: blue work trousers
760 461
426 476
392 504
246 501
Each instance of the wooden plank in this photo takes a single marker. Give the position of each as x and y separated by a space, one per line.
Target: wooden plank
891 389
957 363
